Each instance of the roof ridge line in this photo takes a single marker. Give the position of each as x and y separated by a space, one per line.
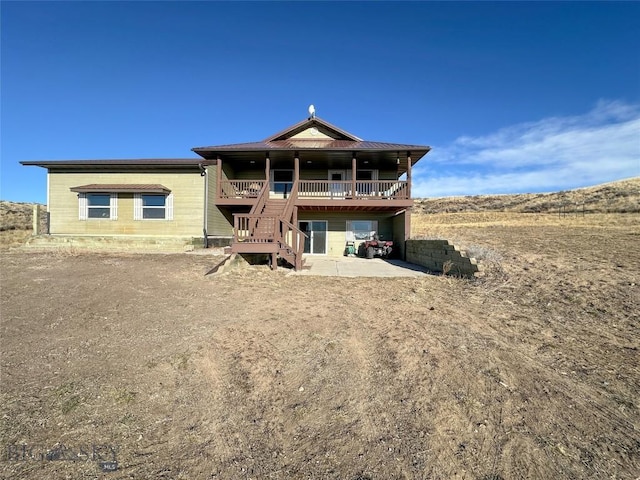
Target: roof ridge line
312 121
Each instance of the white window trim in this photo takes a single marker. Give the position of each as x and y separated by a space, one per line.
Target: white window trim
83 207
83 210
138 208
326 237
350 235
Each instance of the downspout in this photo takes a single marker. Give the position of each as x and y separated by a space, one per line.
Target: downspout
203 173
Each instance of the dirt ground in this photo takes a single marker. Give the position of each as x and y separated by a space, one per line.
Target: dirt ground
530 372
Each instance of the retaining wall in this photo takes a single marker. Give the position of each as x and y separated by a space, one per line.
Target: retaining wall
441 256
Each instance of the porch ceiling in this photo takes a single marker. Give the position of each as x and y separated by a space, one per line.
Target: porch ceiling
321 159
370 207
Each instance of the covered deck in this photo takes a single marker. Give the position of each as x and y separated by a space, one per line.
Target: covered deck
318 183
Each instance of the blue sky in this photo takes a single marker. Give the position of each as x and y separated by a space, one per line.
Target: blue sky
513 97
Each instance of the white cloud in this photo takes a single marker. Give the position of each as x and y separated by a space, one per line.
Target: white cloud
551 154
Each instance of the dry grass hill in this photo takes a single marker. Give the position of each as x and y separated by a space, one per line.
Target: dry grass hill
16 222
15 215
617 197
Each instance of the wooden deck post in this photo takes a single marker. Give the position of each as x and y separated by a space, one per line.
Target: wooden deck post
409 174
353 175
296 179
267 167
218 177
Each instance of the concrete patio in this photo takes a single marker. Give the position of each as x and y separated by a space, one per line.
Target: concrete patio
358 267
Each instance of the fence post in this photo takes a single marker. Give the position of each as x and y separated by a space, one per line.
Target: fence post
36 219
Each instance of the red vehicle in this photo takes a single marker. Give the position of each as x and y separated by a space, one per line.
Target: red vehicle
376 247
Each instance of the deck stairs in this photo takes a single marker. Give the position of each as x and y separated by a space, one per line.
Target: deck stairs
268 229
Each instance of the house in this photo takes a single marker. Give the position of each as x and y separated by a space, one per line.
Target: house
308 190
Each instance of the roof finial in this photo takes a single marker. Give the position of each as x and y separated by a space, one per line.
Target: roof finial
312 112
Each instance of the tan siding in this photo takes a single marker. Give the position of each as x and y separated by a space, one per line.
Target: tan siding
217 223
312 133
310 174
188 205
337 224
398 232
387 175
313 174
256 174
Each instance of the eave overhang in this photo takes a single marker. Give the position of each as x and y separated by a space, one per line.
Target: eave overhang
118 163
121 188
332 144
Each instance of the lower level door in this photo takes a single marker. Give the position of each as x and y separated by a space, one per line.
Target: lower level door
316 231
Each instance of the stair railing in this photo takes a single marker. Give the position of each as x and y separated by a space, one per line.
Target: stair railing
297 241
263 195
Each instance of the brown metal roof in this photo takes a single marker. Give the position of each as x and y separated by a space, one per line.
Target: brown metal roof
121 188
340 147
345 142
167 162
304 144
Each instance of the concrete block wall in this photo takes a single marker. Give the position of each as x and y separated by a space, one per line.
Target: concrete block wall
441 256
122 243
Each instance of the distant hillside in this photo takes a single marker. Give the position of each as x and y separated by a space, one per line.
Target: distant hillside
616 197
16 216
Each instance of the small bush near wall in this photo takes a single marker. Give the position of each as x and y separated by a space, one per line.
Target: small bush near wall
441 256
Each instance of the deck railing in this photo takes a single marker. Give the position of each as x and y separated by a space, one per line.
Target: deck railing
370 189
263 196
318 189
293 237
254 228
241 188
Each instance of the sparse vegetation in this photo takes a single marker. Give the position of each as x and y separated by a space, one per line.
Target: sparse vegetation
16 222
531 372
616 197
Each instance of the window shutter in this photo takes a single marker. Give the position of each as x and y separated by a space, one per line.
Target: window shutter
137 206
169 207
113 206
82 206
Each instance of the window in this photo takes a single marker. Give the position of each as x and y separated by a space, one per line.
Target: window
102 206
281 181
361 229
152 206
98 205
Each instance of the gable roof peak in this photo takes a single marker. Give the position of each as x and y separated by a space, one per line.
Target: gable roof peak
314 122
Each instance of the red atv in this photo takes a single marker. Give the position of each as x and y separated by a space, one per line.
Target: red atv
376 247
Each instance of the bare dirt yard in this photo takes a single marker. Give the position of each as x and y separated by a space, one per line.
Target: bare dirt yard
532 371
